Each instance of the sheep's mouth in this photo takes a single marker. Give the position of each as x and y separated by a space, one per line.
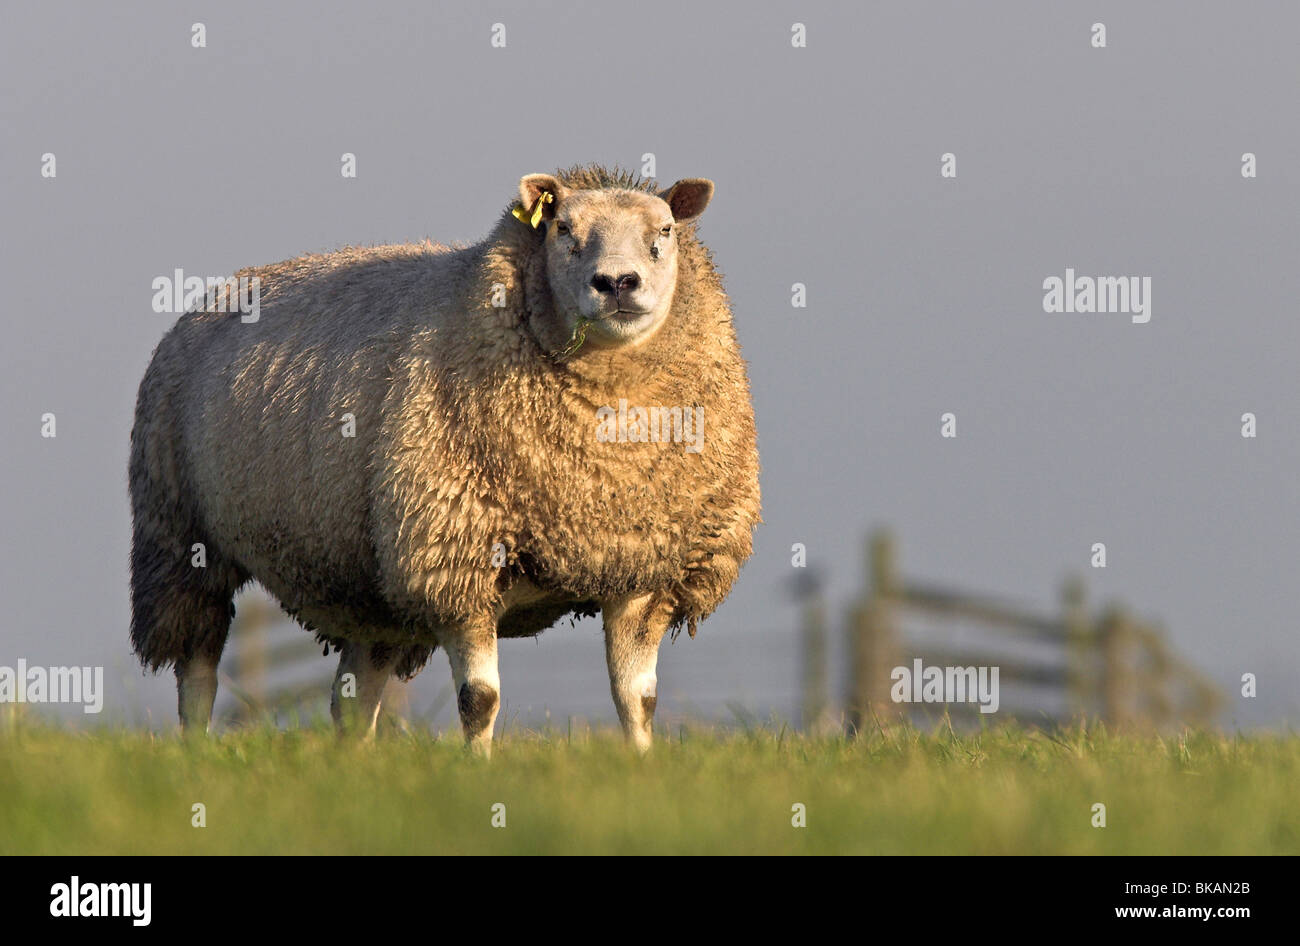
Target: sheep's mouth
628 315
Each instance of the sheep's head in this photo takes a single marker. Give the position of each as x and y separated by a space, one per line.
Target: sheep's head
611 253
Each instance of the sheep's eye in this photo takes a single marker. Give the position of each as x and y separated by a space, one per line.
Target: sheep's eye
561 228
666 231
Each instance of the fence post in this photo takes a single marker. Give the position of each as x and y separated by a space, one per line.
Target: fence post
1078 648
874 643
813 639
252 621
396 701
1118 692
1204 700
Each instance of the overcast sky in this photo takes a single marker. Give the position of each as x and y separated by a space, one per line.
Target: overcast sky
925 294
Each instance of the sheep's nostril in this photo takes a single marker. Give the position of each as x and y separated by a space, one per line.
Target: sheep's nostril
627 282
602 283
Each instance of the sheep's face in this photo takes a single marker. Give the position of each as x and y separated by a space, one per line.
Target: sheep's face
611 254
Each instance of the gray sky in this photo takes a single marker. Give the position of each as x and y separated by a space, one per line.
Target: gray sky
924 294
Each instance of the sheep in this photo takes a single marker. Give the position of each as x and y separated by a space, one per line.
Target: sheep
422 446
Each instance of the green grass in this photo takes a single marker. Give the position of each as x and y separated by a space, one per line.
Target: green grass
303 791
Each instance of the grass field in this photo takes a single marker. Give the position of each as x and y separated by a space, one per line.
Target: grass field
303 791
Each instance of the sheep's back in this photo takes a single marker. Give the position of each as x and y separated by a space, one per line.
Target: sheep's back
278 419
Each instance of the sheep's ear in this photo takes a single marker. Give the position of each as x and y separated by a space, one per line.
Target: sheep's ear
688 198
534 188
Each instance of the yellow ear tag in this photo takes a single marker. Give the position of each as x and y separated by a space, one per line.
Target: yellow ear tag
533 217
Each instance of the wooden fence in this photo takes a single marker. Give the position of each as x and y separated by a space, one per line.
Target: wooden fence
1111 665
275 670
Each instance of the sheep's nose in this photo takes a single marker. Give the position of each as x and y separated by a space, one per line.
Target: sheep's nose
617 285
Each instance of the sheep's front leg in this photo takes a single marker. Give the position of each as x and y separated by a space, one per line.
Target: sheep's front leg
363 673
472 652
633 630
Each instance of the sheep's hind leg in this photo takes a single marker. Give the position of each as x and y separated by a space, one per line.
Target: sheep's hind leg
205 618
472 653
180 614
363 673
196 692
633 629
